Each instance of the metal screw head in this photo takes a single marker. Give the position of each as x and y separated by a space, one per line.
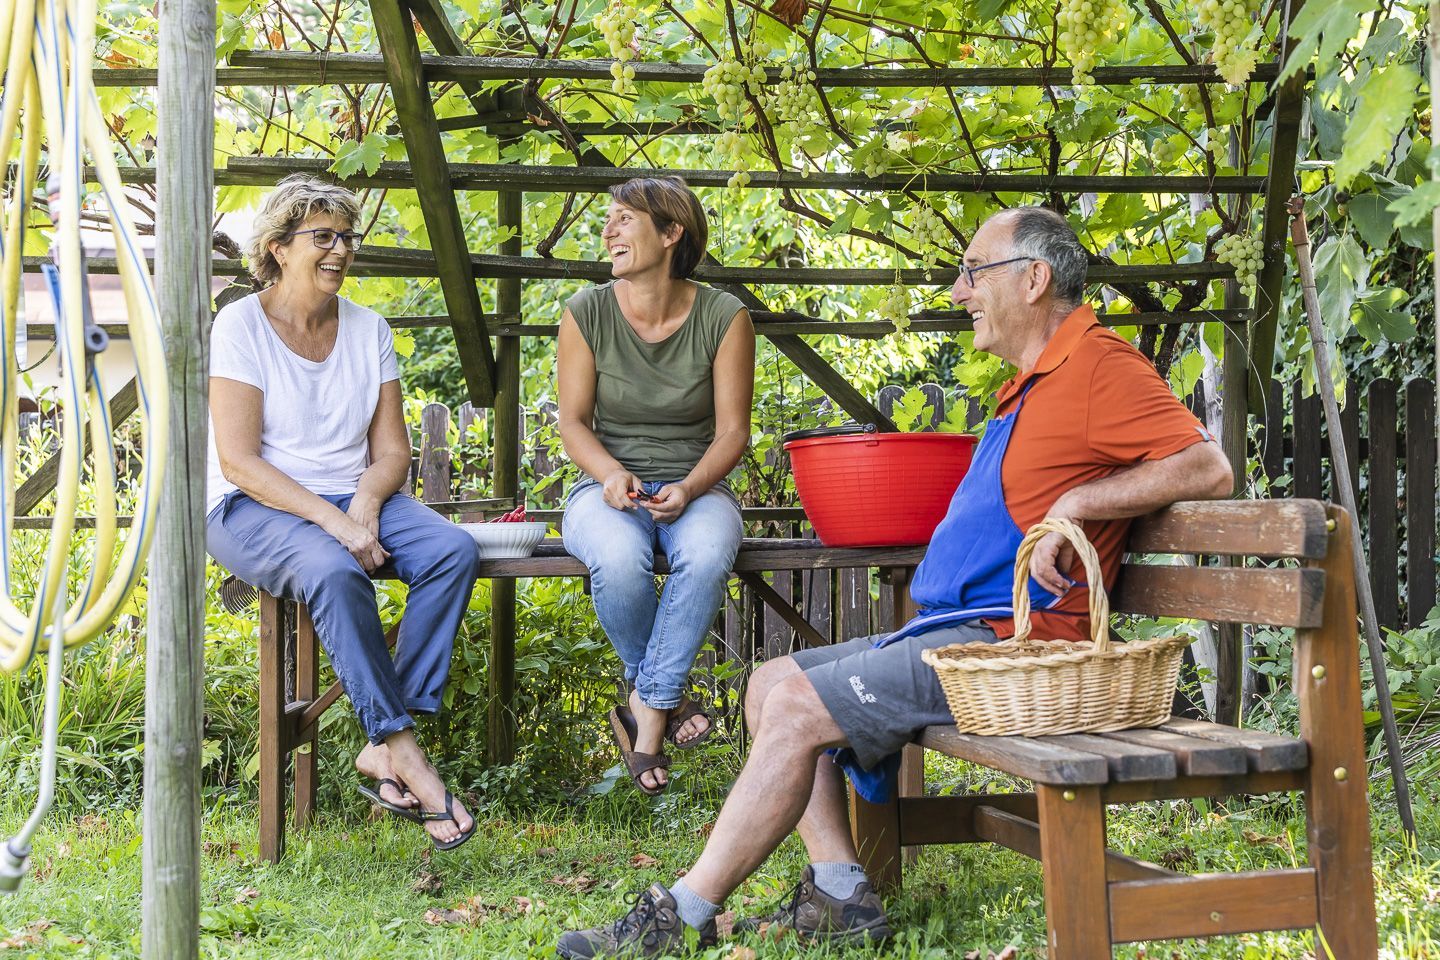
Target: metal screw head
1068 794
1330 526
1214 916
1342 774
1318 671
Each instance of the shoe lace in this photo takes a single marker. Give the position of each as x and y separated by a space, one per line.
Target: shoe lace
641 912
787 912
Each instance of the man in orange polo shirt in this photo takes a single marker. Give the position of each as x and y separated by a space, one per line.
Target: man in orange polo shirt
1086 431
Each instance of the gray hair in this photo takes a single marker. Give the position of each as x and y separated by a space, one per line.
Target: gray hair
1043 234
291 203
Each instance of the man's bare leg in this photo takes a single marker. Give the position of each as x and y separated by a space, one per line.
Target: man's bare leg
825 825
773 790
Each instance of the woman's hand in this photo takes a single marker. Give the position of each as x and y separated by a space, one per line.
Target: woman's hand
616 488
365 510
668 503
363 545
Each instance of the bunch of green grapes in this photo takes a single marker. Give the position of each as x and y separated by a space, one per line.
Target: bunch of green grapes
1216 143
794 99
617 26
929 232
1231 22
730 147
727 81
1166 152
1085 26
895 307
1243 251
1190 100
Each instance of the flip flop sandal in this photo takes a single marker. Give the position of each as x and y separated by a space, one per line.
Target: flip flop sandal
678 718
622 727
373 795
436 816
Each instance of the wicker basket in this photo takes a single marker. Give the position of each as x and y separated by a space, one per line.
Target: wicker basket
1041 687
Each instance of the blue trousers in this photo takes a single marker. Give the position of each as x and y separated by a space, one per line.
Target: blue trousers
657 639
293 558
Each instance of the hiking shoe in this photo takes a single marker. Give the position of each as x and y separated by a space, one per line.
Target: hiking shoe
652 928
815 915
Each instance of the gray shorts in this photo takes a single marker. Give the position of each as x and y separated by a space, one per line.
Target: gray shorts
881 698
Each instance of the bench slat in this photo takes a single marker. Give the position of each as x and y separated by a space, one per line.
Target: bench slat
1253 528
1281 598
1193 757
1032 759
1127 761
1265 752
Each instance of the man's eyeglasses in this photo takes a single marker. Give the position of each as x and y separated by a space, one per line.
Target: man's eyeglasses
326 239
969 272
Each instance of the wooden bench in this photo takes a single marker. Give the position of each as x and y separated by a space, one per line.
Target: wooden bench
291 707
1095 897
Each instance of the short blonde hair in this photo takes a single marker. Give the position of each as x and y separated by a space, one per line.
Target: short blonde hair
669 201
290 204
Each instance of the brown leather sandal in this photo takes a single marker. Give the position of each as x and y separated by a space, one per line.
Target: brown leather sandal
678 718
622 727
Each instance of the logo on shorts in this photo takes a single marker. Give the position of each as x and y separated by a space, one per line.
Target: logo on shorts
859 688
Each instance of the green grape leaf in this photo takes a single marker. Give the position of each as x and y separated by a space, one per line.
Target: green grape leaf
1385 103
1379 317
1372 219
1323 28
1417 205
912 411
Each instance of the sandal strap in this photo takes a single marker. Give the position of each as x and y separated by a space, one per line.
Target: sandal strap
637 763
438 816
684 713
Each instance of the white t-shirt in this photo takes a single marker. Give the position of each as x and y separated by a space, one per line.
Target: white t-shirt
316 417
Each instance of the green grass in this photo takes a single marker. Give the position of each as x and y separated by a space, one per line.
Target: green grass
351 887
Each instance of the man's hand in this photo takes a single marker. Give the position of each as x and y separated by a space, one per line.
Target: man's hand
365 510
1054 555
616 489
363 545
668 503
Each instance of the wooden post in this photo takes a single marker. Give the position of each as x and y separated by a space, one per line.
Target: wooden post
1419 500
501 740
175 662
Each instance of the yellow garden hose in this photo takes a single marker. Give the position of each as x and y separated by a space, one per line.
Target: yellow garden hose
47 48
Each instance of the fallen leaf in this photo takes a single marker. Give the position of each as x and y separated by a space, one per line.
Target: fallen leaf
216 848
427 883
773 931
92 823
526 905
580 883
643 861
30 936
245 894
63 851
725 923
542 831
438 917
546 852
741 953
1264 839
973 955
1009 953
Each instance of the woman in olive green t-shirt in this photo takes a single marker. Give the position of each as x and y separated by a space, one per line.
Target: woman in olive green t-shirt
656 376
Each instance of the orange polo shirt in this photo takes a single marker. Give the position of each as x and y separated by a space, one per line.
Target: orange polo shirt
1097 407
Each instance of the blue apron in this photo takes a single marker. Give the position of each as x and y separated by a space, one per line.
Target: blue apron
968 572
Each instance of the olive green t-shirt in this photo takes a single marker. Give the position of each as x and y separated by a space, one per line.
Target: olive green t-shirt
654 402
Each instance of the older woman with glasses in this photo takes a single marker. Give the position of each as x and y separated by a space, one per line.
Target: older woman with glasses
308 453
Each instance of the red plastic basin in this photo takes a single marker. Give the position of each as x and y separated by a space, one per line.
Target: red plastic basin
879 489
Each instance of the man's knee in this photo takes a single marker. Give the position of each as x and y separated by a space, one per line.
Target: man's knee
795 709
762 682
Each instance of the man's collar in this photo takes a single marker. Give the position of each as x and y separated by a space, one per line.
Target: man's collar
1057 350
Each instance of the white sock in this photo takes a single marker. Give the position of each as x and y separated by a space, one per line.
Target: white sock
693 909
838 880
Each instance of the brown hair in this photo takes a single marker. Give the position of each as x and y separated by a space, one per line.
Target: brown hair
669 201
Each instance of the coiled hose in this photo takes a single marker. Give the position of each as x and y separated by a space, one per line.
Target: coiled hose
47 47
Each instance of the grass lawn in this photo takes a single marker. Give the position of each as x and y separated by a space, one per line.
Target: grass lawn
352 887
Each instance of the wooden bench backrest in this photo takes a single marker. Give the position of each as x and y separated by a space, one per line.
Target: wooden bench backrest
1272 529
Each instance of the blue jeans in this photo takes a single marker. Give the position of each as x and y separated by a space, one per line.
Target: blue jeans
656 639
293 558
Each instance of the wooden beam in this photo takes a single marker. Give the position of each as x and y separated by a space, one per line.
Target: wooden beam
809 636
1210 904
365 68
263 171
1022 834
416 113
1274 229
447 43
404 262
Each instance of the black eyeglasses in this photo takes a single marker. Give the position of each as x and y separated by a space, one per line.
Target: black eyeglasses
969 272
325 238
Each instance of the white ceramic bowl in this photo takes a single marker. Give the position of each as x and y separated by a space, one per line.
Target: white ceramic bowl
498 541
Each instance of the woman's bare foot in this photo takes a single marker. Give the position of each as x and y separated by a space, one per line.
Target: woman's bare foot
374 762
693 727
649 738
412 769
